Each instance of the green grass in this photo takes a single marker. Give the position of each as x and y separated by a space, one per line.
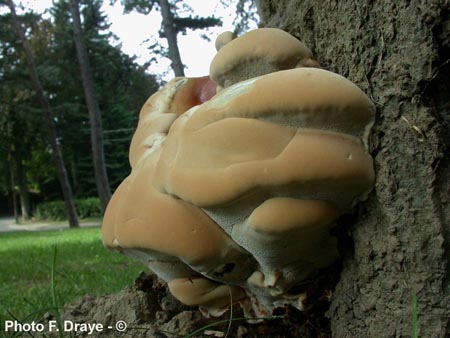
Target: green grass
83 266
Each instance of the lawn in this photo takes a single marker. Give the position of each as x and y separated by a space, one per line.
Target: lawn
83 266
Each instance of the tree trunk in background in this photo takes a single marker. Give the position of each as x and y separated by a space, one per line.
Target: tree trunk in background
75 181
171 36
398 52
95 116
49 119
23 190
13 191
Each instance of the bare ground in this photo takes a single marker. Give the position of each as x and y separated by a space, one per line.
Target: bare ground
149 310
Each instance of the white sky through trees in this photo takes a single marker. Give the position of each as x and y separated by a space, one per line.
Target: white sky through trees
137 31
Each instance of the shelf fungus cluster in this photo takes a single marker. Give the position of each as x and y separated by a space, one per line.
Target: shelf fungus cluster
237 178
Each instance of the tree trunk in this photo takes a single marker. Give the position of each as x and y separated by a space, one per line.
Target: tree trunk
13 190
171 36
95 116
398 53
23 190
75 181
49 119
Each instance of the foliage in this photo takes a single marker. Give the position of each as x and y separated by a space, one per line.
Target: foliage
88 207
141 6
83 266
246 14
195 22
19 125
172 23
56 210
121 84
182 23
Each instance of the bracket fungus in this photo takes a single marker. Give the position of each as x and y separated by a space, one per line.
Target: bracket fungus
232 194
256 53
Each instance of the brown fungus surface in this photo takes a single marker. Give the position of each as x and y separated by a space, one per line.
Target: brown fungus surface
232 195
256 53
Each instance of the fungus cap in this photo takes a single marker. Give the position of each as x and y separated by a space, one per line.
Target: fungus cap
256 53
232 195
223 39
213 296
141 219
302 126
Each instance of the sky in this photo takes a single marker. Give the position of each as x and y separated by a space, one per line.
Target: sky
136 32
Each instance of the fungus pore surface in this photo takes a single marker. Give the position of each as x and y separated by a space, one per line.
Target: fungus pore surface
237 178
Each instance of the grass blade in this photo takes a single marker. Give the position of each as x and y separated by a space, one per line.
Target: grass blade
54 298
231 312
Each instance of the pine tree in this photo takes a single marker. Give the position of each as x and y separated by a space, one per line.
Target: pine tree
48 116
95 116
171 25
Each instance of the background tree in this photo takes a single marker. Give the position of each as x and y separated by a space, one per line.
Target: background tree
246 14
21 124
48 115
16 147
397 52
15 94
95 116
172 24
121 85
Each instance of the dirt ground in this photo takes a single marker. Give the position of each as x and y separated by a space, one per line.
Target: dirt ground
149 310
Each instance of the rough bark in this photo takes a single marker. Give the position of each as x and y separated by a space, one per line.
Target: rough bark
49 120
95 116
398 53
171 36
